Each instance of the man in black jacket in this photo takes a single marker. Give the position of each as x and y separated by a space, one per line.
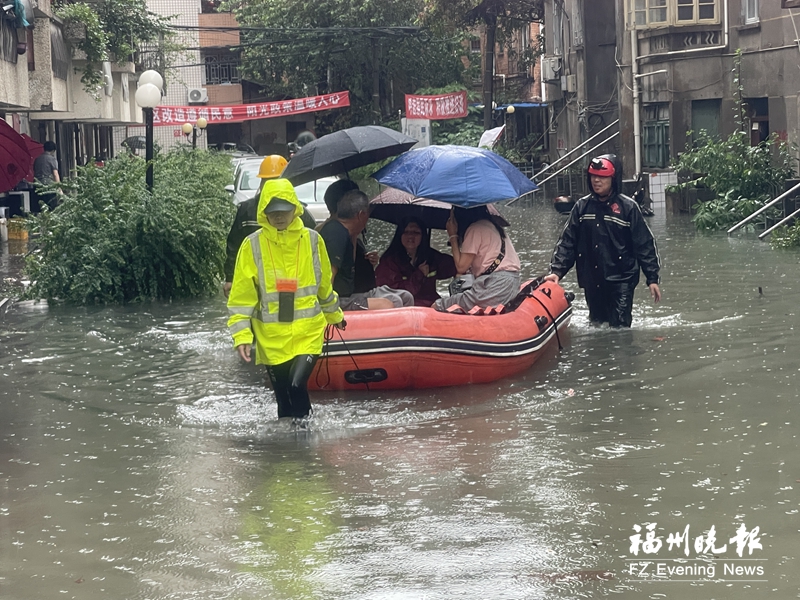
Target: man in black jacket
246 221
608 238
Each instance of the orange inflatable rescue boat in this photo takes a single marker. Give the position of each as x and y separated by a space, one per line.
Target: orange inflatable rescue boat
413 348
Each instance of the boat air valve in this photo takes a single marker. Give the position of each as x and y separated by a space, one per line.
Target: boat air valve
366 376
570 296
540 321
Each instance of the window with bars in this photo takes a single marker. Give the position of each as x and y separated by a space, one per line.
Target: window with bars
655 136
220 70
675 12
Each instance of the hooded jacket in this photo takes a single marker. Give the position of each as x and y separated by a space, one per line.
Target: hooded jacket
244 224
608 241
297 253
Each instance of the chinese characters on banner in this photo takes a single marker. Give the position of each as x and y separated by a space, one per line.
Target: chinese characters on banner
442 106
178 115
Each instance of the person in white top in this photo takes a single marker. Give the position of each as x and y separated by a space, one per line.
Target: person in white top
482 248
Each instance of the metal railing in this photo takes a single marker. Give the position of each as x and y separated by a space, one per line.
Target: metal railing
572 162
783 221
764 208
576 148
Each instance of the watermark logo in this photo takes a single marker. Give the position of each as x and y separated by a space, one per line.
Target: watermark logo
705 558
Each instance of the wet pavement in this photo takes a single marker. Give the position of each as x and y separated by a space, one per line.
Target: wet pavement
140 459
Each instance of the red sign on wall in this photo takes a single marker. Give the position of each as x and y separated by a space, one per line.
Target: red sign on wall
178 115
442 106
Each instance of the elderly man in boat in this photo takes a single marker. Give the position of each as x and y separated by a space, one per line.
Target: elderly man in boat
341 239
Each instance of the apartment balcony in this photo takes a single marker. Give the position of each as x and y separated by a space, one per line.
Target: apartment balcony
114 104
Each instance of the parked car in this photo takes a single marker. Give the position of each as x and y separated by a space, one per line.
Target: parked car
236 147
311 194
245 179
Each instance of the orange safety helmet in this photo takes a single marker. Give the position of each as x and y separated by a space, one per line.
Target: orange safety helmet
272 166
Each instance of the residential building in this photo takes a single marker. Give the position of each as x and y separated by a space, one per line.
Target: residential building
580 76
517 81
41 93
207 74
679 56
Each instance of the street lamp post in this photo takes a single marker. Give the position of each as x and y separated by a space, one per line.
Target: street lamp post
189 129
148 95
509 111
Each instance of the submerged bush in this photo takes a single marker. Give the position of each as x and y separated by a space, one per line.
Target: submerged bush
112 241
743 177
786 237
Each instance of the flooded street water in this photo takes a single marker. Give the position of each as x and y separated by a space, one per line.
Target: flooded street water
140 459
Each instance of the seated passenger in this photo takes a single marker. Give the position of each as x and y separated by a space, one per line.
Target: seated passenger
341 238
481 247
365 261
410 263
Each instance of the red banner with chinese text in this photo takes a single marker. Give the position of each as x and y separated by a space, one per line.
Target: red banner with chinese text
442 106
178 115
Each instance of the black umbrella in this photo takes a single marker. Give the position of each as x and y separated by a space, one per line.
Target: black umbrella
393 206
135 142
345 150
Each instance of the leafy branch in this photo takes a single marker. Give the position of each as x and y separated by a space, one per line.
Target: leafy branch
114 30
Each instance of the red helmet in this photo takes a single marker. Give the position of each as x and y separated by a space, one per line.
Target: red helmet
602 167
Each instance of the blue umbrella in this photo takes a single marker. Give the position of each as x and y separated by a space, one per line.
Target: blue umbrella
459 175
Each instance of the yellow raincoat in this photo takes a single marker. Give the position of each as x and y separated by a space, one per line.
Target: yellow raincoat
267 256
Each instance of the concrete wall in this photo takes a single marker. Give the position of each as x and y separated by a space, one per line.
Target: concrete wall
180 79
14 83
585 96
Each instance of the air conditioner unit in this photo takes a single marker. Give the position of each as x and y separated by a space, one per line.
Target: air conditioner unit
551 68
197 96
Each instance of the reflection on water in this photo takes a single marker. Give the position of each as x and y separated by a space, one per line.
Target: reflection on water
140 459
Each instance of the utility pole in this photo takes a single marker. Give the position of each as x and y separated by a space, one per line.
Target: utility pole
376 82
488 71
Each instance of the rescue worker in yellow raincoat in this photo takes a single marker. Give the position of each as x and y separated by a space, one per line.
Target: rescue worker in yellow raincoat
282 294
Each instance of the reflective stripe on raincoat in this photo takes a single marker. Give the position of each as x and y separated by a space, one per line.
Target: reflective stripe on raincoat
266 256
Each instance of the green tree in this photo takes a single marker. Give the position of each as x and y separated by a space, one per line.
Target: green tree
114 30
742 176
373 48
497 15
131 27
112 241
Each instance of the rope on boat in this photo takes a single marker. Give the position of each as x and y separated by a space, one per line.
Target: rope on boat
555 325
329 332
